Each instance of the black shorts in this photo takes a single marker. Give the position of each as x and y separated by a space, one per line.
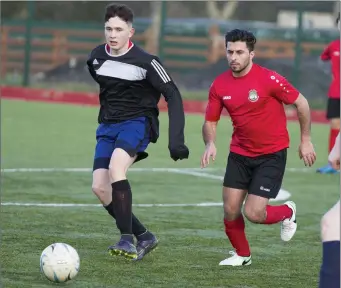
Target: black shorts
261 175
333 108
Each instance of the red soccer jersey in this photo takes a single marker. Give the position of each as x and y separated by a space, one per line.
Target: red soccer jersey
332 54
255 105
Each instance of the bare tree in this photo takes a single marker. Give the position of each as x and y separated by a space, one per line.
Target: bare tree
225 13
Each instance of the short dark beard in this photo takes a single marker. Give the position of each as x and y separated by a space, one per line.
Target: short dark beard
242 69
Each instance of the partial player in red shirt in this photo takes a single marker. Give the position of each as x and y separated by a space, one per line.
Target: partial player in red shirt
332 54
254 98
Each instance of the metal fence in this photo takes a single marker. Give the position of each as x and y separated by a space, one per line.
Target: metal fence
192 49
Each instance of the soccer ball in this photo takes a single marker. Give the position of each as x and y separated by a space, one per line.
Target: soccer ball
59 262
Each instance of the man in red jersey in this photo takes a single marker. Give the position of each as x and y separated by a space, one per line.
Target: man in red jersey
254 97
332 54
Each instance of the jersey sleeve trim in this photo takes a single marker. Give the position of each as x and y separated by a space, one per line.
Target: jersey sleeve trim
282 89
160 71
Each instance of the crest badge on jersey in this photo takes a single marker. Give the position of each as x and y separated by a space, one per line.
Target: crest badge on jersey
253 96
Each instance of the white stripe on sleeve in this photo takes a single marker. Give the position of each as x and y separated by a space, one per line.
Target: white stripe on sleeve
161 71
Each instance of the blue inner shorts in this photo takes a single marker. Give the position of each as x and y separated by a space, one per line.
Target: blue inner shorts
133 136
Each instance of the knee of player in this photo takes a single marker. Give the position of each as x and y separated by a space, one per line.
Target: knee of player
325 224
335 123
119 164
231 212
254 215
117 172
98 190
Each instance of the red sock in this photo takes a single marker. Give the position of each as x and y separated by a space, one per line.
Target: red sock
332 136
275 214
235 232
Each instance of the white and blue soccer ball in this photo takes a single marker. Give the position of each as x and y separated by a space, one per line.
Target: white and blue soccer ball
59 262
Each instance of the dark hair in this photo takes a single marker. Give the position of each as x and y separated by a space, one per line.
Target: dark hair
338 18
243 36
120 10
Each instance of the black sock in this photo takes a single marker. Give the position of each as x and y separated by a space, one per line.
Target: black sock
330 268
122 206
138 229
110 209
144 236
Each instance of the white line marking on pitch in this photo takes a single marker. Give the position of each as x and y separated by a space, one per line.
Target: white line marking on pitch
208 204
282 195
25 170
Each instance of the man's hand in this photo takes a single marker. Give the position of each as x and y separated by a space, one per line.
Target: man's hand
210 151
307 153
178 152
306 148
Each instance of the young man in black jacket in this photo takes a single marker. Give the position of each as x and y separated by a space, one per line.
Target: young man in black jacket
131 82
